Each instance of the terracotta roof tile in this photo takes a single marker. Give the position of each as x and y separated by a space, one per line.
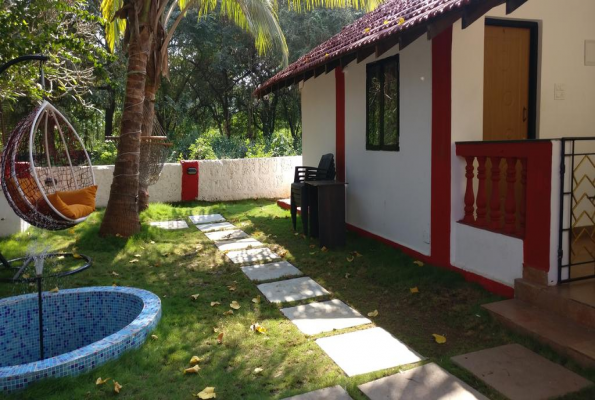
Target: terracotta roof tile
390 19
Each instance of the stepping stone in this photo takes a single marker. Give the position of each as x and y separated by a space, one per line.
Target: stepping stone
252 256
330 393
366 351
428 382
267 272
518 373
292 290
206 218
315 318
226 235
170 224
240 244
217 226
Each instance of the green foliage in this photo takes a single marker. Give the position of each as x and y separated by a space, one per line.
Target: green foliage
104 154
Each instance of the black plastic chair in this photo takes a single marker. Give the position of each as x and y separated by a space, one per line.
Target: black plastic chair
299 190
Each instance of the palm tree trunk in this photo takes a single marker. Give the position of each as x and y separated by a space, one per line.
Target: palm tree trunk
121 216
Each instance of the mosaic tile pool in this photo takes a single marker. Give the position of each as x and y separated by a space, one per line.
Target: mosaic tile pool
83 328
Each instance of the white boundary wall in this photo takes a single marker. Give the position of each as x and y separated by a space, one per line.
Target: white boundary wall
219 180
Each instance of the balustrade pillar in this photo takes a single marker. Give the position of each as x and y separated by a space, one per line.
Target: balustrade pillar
469 196
510 204
495 213
523 204
481 192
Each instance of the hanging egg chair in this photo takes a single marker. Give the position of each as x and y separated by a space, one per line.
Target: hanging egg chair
47 175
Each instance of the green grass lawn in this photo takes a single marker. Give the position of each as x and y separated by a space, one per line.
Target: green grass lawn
177 264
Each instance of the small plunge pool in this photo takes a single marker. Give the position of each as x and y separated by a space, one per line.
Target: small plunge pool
83 328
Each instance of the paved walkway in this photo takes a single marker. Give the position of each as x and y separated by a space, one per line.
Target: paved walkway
366 350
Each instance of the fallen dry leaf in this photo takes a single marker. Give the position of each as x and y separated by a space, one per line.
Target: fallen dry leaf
220 338
114 273
194 360
138 255
55 290
207 393
373 313
117 387
256 300
214 303
134 260
232 288
76 255
235 305
114 284
228 312
419 263
347 275
154 337
258 370
350 259
414 290
194 296
324 248
152 242
439 338
215 329
312 246
100 381
192 370
355 253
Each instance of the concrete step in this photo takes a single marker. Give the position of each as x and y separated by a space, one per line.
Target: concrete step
562 334
575 301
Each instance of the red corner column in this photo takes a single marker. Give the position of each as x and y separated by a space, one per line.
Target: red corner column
441 147
340 122
190 178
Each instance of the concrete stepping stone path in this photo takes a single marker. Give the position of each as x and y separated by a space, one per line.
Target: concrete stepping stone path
330 393
268 272
315 318
206 218
226 235
292 290
169 225
518 373
240 244
252 256
217 226
428 382
366 351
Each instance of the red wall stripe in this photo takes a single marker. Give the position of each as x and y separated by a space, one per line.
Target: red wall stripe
441 147
340 122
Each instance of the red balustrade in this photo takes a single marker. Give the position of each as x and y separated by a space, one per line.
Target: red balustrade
496 184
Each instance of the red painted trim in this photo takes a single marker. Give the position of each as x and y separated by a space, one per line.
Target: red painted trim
340 122
189 182
536 242
488 284
441 147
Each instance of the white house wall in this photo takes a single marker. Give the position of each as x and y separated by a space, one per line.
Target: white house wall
389 193
318 118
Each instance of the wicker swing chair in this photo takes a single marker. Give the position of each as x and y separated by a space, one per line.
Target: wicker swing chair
47 176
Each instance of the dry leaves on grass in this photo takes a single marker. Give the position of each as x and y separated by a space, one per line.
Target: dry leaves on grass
232 288
195 360
154 337
414 290
207 393
350 258
192 370
134 260
194 296
100 381
215 303
77 256
114 273
55 290
373 313
439 338
258 370
418 263
235 305
256 300
220 338
228 312
117 387
347 275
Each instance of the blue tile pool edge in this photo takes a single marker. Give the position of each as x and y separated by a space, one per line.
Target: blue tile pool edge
132 336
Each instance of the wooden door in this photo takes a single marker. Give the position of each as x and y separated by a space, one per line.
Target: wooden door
506 83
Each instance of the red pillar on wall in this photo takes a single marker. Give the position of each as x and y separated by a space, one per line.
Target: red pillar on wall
340 122
441 147
190 176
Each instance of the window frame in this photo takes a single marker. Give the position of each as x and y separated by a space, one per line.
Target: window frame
374 65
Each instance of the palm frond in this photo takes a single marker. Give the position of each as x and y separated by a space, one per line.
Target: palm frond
114 28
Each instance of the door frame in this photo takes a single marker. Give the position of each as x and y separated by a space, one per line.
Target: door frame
533 64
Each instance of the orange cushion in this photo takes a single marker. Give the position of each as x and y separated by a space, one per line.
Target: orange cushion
72 211
85 196
29 187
